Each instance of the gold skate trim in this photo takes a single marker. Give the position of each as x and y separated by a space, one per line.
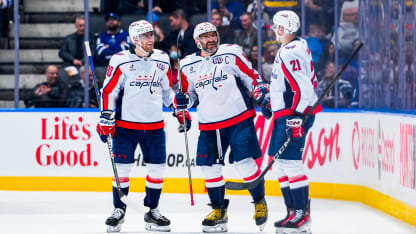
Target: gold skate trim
260 210
357 193
215 214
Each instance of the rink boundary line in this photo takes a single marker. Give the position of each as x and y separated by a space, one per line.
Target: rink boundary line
346 192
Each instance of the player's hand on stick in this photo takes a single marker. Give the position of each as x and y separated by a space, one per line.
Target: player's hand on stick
181 101
106 125
294 128
260 91
188 120
265 108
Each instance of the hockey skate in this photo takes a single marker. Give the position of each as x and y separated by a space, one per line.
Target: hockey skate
115 220
300 223
260 213
216 221
279 224
155 221
296 221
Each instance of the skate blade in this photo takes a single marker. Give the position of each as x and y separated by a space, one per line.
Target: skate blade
155 227
222 227
261 226
111 229
302 230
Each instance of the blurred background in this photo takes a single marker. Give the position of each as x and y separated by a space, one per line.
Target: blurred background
42 55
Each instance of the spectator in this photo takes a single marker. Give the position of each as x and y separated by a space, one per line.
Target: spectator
72 49
226 32
273 6
51 93
315 47
254 57
160 39
137 6
75 96
4 4
318 12
327 55
182 30
132 6
345 90
231 11
252 9
270 53
114 40
348 27
174 62
270 36
247 38
319 31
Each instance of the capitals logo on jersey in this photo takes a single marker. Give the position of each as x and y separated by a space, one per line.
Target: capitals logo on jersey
217 60
210 80
160 66
146 81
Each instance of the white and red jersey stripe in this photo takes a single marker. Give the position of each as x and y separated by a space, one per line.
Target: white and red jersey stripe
293 80
137 88
218 83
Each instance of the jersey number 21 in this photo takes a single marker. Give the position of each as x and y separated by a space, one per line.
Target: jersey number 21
295 65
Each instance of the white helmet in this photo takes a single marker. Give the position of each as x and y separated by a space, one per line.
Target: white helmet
289 20
202 28
139 27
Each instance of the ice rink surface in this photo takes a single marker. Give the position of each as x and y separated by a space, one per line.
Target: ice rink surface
85 212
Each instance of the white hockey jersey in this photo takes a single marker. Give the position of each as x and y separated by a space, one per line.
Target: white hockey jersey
293 80
218 85
137 88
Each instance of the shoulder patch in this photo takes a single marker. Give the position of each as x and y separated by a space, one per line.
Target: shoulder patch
290 47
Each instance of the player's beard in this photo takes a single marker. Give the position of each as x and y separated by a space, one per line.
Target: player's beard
147 48
213 49
143 49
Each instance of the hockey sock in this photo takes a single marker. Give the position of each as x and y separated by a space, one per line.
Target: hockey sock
216 195
287 197
257 193
116 198
152 197
300 197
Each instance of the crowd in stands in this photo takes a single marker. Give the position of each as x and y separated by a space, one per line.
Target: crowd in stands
5 8
236 21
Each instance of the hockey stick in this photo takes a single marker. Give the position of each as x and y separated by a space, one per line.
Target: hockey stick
188 161
249 185
122 196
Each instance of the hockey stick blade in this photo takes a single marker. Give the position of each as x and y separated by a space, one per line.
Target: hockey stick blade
129 202
230 185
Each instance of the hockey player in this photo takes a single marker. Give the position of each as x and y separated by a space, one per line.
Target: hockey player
292 95
137 84
215 79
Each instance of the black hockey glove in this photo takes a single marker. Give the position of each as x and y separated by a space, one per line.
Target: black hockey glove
260 91
181 101
266 109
